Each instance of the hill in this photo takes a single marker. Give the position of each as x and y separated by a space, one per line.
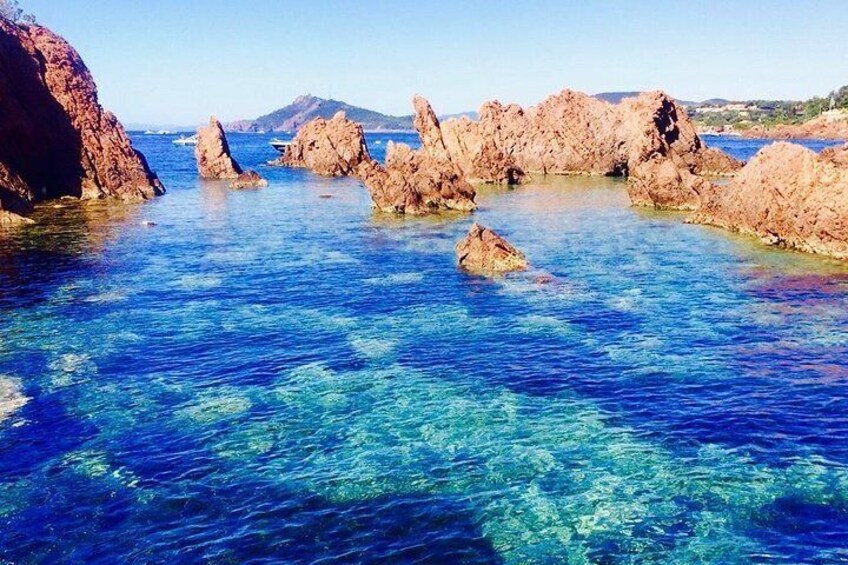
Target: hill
307 107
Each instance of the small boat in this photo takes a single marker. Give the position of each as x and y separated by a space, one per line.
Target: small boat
280 145
183 140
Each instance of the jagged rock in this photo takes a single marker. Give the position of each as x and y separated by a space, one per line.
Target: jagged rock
418 182
483 251
415 183
574 133
249 179
55 138
334 147
214 161
788 196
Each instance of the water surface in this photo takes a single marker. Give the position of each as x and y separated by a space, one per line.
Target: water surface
273 376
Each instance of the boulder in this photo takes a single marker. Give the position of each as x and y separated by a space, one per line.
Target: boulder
214 161
485 252
248 179
55 138
332 148
788 196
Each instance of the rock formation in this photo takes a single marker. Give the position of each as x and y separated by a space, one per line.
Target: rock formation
55 138
830 125
788 196
214 161
573 133
332 148
415 183
483 251
410 182
422 181
249 179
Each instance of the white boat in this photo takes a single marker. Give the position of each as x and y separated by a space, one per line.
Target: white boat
280 145
183 140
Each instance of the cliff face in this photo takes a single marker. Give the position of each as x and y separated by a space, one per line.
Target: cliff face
55 138
788 196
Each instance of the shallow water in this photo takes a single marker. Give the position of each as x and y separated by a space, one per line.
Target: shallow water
272 376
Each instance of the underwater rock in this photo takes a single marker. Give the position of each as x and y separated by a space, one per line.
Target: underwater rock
55 138
330 148
248 179
214 161
483 251
11 396
788 196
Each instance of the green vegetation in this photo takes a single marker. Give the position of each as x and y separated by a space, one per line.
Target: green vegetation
742 115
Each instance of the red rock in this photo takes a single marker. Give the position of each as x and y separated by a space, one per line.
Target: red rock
788 196
418 182
249 179
830 125
415 183
573 133
331 148
485 252
212 152
55 138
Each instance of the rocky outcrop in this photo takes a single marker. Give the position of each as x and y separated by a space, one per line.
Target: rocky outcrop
410 182
249 179
332 148
830 125
418 182
55 138
485 252
415 183
212 152
788 196
573 133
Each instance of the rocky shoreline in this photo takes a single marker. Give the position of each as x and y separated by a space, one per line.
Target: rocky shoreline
55 138
57 141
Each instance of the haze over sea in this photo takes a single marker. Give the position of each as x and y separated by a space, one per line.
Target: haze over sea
277 376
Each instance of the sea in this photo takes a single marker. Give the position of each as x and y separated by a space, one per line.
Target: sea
285 376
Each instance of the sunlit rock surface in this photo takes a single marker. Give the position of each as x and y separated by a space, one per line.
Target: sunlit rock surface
483 251
788 196
55 138
334 147
212 152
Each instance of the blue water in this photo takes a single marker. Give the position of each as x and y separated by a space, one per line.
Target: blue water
272 376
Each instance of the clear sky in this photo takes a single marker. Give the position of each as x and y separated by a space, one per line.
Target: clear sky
177 61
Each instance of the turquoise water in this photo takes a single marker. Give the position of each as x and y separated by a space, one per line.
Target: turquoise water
273 376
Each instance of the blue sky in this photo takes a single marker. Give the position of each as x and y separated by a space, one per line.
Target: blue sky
177 61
